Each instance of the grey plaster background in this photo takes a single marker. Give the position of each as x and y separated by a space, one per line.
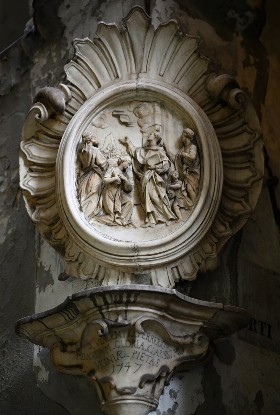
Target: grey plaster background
241 39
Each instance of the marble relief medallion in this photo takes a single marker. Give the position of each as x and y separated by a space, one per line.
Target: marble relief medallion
137 167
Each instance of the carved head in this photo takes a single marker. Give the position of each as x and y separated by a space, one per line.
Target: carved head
154 138
174 175
89 138
123 163
158 134
143 109
187 135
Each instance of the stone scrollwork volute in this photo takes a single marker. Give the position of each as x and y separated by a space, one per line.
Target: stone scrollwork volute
143 162
128 345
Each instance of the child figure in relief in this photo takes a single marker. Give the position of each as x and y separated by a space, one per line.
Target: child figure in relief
188 164
116 202
177 198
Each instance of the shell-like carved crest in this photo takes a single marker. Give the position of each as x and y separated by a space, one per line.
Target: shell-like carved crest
143 163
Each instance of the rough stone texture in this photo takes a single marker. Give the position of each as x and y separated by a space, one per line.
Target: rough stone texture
19 394
241 38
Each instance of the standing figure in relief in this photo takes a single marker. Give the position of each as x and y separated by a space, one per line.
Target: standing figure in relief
151 166
92 166
176 196
188 164
116 202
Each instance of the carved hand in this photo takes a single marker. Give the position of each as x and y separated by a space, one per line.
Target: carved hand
122 177
124 141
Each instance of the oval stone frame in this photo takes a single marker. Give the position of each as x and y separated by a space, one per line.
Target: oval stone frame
159 64
152 253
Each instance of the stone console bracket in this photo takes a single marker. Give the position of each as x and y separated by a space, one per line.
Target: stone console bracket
128 340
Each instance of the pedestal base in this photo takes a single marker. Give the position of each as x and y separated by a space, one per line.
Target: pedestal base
128 340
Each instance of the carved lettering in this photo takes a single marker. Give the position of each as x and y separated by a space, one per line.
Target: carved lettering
261 327
123 351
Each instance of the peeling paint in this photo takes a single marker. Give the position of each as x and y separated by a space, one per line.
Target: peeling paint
42 374
46 278
49 290
183 394
163 11
171 411
173 393
213 392
48 259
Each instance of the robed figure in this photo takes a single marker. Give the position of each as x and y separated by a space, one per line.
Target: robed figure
151 166
92 167
187 163
116 203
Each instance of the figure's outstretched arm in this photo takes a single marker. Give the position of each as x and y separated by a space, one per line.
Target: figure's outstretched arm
108 180
128 144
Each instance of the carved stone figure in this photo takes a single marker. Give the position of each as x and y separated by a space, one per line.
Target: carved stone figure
177 198
92 167
117 205
151 165
188 164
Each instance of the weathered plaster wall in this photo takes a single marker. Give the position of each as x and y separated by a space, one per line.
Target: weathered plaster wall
18 391
241 39
12 22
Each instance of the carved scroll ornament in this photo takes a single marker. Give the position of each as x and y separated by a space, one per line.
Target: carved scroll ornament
128 345
144 162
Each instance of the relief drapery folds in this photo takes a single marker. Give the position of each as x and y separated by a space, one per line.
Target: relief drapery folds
125 185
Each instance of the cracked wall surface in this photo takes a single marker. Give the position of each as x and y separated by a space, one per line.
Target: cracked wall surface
240 38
